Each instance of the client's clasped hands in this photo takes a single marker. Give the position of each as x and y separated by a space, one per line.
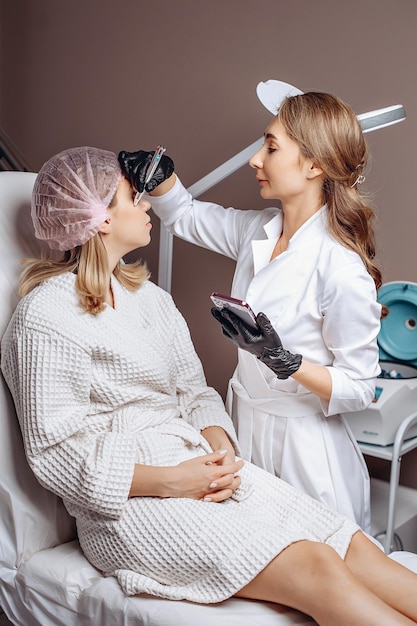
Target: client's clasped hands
211 477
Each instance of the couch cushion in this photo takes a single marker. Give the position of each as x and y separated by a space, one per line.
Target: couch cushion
31 518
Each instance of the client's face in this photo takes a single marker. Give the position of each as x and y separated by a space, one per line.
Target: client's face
130 225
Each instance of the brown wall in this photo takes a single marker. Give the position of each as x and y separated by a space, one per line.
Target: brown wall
128 74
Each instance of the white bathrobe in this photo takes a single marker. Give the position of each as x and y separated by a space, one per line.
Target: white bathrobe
97 394
322 302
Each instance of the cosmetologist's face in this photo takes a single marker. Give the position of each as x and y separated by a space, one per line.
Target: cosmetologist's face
281 169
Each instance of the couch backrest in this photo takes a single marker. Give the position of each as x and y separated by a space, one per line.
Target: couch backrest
31 518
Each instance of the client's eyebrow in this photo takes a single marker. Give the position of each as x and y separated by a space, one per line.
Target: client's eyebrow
269 136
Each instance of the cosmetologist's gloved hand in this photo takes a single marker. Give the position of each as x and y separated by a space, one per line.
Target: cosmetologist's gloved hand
135 164
264 344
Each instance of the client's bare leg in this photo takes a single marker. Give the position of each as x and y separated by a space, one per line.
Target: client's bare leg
390 581
312 578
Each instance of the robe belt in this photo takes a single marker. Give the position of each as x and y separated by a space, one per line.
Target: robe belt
132 421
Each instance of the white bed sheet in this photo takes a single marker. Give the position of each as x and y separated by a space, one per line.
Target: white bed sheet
59 586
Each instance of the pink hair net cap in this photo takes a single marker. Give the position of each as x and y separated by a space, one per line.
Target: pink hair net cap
71 195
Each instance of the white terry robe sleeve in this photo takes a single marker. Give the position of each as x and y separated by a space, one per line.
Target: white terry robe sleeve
200 405
87 469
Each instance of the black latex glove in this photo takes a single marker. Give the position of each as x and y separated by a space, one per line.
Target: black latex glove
265 344
135 164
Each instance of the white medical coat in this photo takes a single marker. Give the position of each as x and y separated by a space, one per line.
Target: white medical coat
322 302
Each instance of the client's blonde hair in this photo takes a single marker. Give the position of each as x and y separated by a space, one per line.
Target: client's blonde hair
89 262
